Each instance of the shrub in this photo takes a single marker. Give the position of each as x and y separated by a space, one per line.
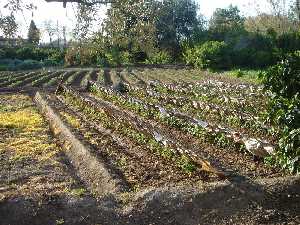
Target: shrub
3 67
49 62
102 61
25 53
9 53
72 57
29 65
161 57
237 73
126 58
2 54
211 54
243 57
283 81
114 57
263 59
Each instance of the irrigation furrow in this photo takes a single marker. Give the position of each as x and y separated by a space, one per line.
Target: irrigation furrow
78 78
18 79
73 77
86 78
29 80
44 80
10 75
92 170
215 134
140 167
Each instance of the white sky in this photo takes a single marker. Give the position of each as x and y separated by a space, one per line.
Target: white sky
65 17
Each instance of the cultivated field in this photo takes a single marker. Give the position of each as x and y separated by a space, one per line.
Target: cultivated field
136 146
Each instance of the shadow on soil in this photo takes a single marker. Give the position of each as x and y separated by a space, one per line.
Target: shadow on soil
272 201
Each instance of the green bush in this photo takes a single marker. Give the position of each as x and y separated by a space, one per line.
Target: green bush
113 57
72 56
49 62
211 54
56 56
283 81
29 65
237 73
9 53
2 54
126 58
263 58
102 61
161 57
25 53
3 67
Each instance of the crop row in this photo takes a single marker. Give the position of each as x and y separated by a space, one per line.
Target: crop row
46 78
137 131
221 136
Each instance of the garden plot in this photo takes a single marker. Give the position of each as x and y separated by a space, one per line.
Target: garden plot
138 158
145 158
191 139
236 111
46 79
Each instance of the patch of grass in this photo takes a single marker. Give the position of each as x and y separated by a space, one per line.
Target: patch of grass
73 121
60 221
25 132
78 192
245 75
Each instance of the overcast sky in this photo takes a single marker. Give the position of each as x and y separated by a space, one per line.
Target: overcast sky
65 17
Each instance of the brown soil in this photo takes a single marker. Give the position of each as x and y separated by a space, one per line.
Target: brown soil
139 167
231 161
40 185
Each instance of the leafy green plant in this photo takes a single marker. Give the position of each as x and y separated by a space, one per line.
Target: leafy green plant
3 67
237 73
211 54
283 81
160 57
79 192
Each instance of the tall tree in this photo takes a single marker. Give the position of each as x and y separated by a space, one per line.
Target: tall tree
8 26
176 21
130 25
297 6
85 16
226 21
33 34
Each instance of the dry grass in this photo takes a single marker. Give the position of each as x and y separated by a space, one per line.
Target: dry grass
28 153
26 134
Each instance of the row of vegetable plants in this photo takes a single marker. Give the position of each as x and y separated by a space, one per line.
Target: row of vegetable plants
29 80
232 115
55 80
4 76
45 79
127 130
140 168
244 99
220 136
15 79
